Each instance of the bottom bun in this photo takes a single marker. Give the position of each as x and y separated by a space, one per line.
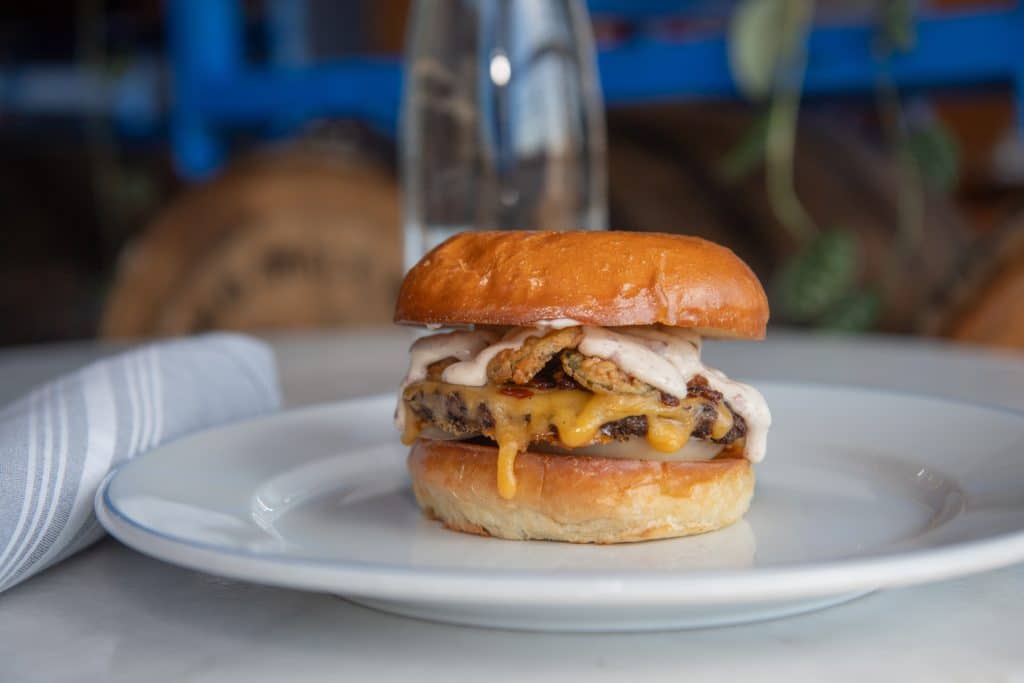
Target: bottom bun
577 498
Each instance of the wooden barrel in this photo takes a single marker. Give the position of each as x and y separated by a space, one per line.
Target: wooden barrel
986 305
300 236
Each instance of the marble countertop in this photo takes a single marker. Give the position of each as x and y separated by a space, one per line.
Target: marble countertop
111 614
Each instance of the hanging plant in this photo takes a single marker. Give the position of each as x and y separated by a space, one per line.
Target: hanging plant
820 283
767 51
818 277
933 149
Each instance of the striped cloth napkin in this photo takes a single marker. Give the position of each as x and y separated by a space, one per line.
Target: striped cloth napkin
58 442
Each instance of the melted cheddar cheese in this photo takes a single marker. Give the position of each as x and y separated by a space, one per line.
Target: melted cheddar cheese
520 418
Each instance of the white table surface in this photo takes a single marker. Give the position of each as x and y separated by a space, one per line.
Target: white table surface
111 614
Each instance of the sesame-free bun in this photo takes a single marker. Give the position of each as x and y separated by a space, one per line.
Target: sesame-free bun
577 498
604 278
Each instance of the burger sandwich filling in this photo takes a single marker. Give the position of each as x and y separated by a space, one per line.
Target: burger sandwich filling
561 387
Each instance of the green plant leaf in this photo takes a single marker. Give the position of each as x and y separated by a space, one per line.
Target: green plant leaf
747 153
934 151
818 277
898 32
755 45
856 312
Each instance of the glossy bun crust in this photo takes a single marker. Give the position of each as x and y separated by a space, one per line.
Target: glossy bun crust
580 499
597 278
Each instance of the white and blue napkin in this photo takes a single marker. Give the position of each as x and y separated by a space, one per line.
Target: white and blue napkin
58 442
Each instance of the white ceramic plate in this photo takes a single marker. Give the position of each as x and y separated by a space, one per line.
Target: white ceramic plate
861 490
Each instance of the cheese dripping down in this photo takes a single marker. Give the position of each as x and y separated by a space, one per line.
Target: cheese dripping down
664 357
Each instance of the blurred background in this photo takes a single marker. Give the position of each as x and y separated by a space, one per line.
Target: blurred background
176 166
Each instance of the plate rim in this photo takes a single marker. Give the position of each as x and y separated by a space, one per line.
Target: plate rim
720 586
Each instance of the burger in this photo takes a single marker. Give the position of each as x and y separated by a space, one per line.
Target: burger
567 401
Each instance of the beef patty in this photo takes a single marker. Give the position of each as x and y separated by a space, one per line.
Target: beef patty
448 411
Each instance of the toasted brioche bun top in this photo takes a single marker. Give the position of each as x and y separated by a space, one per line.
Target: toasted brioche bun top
596 278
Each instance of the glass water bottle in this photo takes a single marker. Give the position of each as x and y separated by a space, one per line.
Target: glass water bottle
502 120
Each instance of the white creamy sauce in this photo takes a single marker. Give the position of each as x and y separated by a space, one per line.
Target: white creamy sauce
474 350
473 372
664 357
462 344
558 323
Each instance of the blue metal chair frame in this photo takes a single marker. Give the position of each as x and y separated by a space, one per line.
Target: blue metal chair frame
214 89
